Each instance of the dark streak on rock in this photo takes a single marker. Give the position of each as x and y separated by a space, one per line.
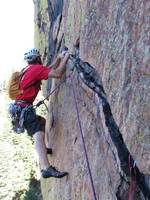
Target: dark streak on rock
75 140
54 12
91 78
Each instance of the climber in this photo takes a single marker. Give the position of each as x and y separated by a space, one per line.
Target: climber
30 85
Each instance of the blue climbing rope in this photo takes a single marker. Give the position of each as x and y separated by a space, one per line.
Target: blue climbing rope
82 138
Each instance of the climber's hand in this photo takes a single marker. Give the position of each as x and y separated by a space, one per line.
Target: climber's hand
70 65
63 54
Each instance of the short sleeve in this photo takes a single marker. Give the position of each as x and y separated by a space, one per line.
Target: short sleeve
44 72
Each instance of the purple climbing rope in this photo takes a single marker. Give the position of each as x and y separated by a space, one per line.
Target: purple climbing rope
83 141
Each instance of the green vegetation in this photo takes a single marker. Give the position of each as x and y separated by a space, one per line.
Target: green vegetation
19 179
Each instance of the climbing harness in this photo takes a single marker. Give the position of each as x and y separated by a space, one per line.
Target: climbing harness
17 116
82 138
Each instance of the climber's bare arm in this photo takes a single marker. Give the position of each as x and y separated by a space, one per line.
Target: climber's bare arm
57 72
56 62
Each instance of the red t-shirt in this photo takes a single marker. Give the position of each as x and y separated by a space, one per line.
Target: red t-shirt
31 82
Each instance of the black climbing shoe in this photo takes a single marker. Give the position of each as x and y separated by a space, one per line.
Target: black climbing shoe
49 151
53 172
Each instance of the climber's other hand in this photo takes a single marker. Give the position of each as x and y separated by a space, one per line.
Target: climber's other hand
63 54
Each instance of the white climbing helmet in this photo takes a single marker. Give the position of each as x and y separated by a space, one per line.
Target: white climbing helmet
31 55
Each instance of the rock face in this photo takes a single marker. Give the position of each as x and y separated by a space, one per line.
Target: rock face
114 37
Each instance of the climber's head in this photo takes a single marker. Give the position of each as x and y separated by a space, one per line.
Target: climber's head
33 56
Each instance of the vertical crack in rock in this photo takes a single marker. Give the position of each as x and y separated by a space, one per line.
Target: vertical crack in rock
55 18
122 189
92 79
54 12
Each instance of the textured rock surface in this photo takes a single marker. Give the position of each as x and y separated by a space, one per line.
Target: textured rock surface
114 38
